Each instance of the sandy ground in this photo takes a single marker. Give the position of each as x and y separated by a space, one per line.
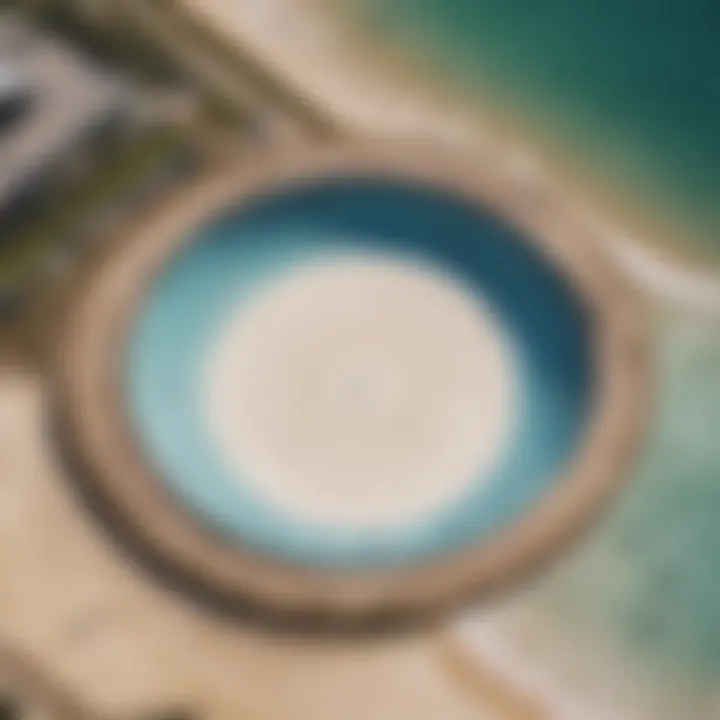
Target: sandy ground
361 392
124 644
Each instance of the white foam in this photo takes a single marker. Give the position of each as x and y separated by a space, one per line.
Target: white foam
364 391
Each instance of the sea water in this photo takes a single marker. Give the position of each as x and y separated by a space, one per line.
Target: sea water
628 89
627 622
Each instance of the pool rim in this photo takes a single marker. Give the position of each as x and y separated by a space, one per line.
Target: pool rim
96 430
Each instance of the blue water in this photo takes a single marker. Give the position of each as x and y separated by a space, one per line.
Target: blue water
629 88
644 584
240 252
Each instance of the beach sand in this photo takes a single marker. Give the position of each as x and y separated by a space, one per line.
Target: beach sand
105 631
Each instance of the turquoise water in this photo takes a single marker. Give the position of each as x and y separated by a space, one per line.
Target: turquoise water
629 87
645 584
238 254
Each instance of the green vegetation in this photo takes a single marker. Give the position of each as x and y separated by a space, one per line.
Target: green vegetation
218 113
126 43
65 212
9 709
117 44
131 46
240 60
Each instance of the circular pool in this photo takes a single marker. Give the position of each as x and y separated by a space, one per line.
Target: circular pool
359 379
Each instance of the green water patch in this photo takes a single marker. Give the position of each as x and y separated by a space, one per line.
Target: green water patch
646 582
630 88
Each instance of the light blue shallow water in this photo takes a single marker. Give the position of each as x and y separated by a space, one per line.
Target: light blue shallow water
239 253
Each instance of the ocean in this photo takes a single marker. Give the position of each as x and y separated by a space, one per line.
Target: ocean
629 89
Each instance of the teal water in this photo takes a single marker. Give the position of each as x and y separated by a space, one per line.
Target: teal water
645 583
234 257
631 88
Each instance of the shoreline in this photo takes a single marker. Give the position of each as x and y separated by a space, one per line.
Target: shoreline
324 58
